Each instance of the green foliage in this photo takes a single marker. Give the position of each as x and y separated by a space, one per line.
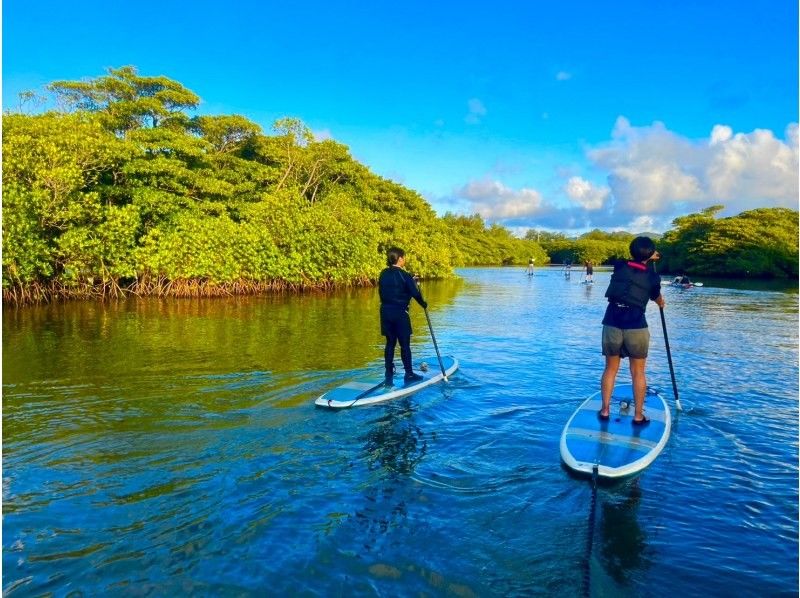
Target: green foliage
478 244
601 251
757 243
543 236
102 248
56 170
226 134
596 246
127 101
27 255
202 247
124 188
689 233
280 238
560 250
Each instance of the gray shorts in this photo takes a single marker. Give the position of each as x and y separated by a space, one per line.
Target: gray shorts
626 343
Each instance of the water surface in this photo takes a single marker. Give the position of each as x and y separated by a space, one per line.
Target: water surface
163 447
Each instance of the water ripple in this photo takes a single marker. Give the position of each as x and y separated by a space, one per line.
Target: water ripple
178 452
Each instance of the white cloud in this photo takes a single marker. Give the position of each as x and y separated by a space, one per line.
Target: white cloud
493 200
641 224
720 134
754 166
653 175
563 76
476 111
585 194
652 170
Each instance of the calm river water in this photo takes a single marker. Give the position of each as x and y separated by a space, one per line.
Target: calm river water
172 448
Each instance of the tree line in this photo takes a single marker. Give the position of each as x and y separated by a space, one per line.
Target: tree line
120 190
759 243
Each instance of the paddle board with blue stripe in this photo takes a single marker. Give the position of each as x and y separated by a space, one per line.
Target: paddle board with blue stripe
367 391
616 446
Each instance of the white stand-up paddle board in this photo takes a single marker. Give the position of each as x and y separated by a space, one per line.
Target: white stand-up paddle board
367 391
616 446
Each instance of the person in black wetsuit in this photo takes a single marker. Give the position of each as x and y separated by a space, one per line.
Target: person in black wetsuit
625 332
396 288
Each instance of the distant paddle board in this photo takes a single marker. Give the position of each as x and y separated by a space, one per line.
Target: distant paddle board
685 285
616 446
367 391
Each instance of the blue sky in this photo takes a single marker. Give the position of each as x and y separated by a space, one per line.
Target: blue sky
565 116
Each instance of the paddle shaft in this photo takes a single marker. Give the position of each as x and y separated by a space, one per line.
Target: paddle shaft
368 391
669 359
363 394
435 345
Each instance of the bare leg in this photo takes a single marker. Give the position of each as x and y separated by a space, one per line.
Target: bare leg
607 382
639 386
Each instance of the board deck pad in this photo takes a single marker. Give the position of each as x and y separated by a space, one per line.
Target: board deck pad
616 446
370 390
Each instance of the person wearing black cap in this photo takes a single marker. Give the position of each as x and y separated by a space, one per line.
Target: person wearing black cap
396 288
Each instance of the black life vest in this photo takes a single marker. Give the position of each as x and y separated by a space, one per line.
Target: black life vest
630 285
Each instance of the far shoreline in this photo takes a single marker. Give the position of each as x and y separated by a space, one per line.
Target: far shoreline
199 289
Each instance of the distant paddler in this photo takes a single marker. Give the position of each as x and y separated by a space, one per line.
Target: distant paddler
684 281
531 263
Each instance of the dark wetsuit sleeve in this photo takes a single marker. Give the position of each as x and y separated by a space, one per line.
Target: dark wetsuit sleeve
413 290
655 290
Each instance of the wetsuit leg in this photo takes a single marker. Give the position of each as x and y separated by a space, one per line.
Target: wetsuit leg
405 352
396 327
388 352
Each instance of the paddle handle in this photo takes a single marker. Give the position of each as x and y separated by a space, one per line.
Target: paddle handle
435 345
669 359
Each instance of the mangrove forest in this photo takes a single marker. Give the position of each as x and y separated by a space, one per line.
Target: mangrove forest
119 189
